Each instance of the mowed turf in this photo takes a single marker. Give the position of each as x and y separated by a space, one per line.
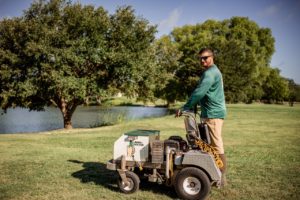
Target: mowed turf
262 143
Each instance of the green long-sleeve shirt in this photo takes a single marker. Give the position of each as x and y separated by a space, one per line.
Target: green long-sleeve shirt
209 94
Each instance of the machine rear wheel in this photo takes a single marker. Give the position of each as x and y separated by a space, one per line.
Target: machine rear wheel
192 183
134 182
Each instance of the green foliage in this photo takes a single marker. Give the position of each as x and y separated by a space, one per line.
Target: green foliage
243 53
130 55
294 92
275 87
167 56
64 53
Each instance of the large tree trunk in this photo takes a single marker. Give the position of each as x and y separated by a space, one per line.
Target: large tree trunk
68 122
67 109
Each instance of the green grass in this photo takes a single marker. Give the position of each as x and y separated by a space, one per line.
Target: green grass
262 143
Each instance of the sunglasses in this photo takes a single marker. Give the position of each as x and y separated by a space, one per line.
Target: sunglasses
204 57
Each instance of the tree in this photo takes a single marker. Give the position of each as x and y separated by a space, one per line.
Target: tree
294 89
61 53
131 61
243 52
167 56
293 92
275 87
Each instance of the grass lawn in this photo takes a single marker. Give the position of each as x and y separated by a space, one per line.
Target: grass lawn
262 143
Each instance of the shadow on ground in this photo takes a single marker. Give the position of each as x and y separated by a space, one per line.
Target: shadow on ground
97 173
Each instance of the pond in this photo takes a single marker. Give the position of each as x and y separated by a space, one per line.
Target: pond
19 120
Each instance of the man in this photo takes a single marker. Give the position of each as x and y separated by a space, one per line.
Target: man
209 93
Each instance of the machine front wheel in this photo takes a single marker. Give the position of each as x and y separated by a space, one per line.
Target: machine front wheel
134 182
192 183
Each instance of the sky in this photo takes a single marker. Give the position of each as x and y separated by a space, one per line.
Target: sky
281 16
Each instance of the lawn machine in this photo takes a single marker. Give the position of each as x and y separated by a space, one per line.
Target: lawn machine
191 166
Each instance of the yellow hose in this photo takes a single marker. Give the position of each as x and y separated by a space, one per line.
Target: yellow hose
209 149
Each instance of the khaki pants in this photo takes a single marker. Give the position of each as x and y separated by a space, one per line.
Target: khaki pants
215 131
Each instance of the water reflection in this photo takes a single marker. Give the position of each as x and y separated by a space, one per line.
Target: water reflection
21 120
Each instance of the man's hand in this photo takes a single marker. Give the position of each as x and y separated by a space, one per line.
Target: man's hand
178 113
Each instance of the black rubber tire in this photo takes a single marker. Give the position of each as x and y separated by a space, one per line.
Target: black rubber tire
134 183
192 183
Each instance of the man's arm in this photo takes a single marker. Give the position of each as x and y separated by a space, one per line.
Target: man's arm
203 86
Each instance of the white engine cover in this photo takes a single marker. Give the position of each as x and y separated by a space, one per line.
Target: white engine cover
134 145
